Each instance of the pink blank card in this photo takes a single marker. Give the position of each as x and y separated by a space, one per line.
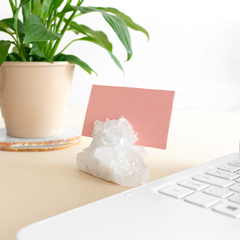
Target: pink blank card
148 111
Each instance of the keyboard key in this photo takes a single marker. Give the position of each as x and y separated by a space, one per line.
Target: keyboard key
238 180
229 168
235 198
202 199
192 184
219 182
235 187
218 192
228 208
235 163
176 191
222 174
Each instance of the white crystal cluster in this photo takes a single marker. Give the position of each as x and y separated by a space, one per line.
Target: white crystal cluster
113 156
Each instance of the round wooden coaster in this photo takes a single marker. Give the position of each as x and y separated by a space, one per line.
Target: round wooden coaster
69 137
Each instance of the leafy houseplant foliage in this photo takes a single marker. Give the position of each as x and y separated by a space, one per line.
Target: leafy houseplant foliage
37 27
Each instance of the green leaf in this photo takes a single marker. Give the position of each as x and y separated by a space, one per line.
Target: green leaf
15 15
99 36
93 40
35 50
2 29
4 47
8 59
35 31
10 23
73 59
116 60
15 57
26 51
55 5
76 28
23 2
45 8
126 19
15 50
70 8
116 23
120 28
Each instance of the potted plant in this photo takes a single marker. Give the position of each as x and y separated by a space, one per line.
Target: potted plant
35 77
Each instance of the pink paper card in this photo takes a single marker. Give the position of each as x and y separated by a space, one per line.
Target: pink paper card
148 111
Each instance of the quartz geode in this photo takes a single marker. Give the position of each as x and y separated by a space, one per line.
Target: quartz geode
113 156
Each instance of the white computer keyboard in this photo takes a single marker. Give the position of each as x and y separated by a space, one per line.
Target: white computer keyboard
217 189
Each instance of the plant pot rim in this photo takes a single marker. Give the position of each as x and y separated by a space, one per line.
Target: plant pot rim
37 64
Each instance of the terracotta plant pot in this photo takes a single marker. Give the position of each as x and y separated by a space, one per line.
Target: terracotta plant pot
35 97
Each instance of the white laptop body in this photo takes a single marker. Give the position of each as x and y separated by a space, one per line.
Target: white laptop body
143 213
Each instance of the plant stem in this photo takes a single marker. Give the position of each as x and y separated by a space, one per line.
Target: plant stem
56 30
49 21
69 44
23 14
29 7
61 18
21 47
13 7
27 13
49 48
13 37
77 15
64 30
55 22
18 46
60 22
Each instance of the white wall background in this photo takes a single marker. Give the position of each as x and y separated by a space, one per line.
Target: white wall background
194 49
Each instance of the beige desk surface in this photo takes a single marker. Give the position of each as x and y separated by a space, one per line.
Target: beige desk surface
37 185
